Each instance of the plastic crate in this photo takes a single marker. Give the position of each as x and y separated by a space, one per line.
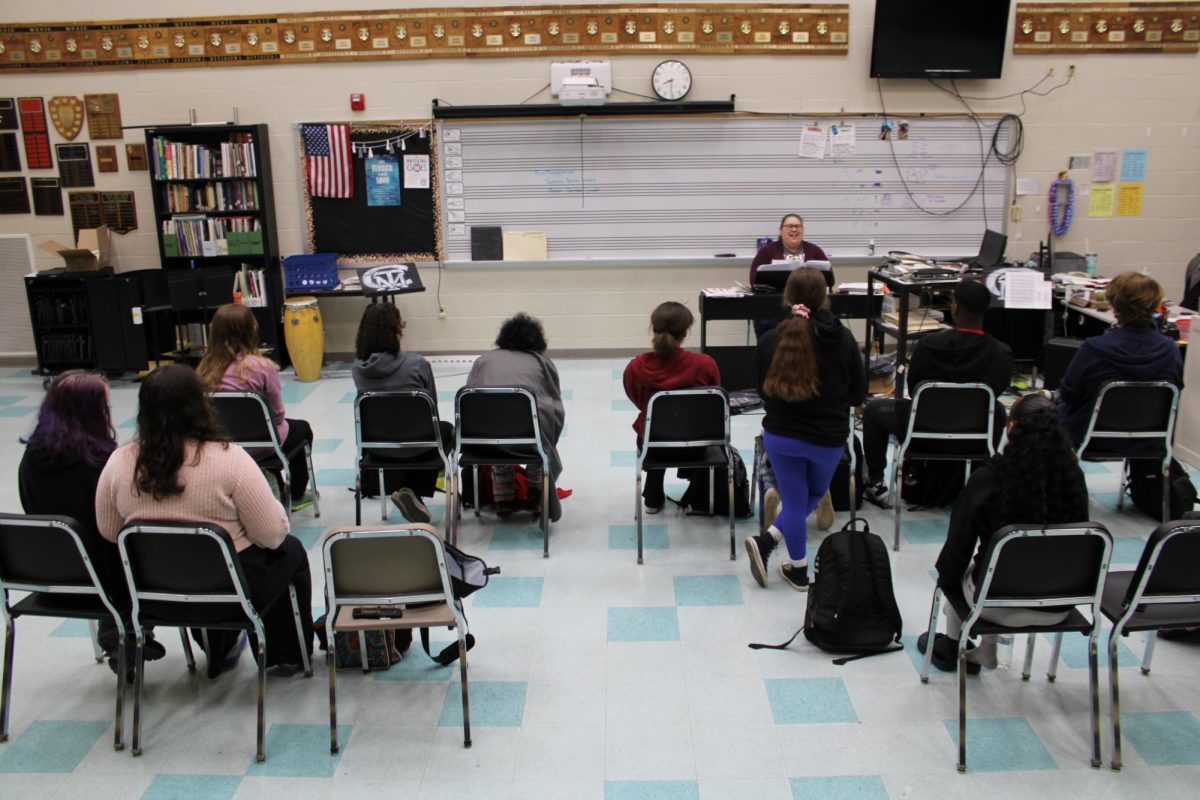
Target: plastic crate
310 272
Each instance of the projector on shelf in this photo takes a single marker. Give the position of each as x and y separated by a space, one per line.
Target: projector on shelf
581 91
580 83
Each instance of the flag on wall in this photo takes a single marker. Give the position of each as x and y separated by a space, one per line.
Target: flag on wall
328 160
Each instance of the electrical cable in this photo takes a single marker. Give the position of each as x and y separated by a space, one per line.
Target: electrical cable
535 94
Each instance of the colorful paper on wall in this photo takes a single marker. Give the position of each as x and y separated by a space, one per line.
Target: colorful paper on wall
1104 166
383 181
416 172
1129 199
1133 165
842 141
1100 203
812 142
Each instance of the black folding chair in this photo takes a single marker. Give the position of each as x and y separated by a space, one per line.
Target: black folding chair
45 556
947 422
687 429
1056 568
247 419
396 431
400 570
187 574
1127 416
497 426
1163 592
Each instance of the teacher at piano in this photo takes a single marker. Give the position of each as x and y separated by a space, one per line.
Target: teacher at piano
790 246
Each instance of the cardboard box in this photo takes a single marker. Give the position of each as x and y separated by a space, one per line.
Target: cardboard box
89 254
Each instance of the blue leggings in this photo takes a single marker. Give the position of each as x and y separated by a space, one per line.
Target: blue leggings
804 471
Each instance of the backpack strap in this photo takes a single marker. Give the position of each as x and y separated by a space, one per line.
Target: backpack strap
845 659
784 646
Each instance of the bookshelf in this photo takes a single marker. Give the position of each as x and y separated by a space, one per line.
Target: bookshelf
214 211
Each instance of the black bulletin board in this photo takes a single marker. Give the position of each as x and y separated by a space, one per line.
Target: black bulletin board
359 232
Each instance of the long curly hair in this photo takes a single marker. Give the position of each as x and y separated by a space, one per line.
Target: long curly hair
232 338
173 411
794 371
1039 478
74 420
379 331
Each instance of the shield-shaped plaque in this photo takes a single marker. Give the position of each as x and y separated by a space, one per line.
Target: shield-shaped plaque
67 115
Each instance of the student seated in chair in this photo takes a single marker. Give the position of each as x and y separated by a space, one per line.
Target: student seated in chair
963 355
1035 481
667 366
180 467
1134 350
381 366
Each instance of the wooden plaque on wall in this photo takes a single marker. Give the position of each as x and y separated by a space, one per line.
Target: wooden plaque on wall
75 165
103 116
47 196
135 157
106 158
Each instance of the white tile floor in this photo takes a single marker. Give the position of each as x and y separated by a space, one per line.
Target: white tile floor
594 677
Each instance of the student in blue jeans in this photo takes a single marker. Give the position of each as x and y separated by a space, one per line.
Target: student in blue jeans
809 372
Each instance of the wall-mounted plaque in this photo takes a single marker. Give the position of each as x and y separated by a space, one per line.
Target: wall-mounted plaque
119 211
13 197
106 158
85 210
66 112
8 114
103 116
75 165
47 197
10 154
135 157
37 133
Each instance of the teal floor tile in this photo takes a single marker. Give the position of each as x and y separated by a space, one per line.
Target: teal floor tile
335 477
807 701
325 446
24 372
624 537
1127 551
840 787
52 746
72 628
1002 744
1099 467
1075 647
921 531
18 411
348 397
8 401
446 396
192 787
494 704
651 790
299 751
622 458
707 590
417 666
517 537
643 624
1106 500
504 592
618 373
308 535
1163 738
623 405
567 394
128 424
295 392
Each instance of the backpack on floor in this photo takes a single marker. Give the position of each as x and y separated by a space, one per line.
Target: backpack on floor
851 605
839 487
525 497
695 497
1145 488
931 484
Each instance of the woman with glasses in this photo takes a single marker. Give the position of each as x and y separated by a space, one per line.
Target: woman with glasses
790 246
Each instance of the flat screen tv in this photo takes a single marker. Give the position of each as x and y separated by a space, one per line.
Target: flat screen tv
939 38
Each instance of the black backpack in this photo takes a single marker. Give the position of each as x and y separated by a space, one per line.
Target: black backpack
695 497
1145 488
851 605
931 484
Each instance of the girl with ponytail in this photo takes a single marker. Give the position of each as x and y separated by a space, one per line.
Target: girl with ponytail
1035 481
667 366
809 373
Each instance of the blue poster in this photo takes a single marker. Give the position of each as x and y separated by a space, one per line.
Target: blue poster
1133 165
383 181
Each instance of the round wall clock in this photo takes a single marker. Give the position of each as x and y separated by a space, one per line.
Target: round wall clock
671 80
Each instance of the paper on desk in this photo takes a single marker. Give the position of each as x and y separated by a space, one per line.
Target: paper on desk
852 288
1026 289
731 291
812 142
524 245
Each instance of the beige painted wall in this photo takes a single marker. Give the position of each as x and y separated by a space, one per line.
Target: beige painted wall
1114 101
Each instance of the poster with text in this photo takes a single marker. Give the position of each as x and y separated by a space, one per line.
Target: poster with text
383 181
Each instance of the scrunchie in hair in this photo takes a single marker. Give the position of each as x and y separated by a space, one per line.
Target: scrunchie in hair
800 310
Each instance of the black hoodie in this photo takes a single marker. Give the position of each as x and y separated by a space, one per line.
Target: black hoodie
957 356
824 419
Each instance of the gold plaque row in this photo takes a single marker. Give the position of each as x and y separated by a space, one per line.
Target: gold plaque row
1107 28
820 29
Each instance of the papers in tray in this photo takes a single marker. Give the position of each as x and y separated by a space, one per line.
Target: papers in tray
731 291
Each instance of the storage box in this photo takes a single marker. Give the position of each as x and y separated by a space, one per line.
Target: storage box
89 254
310 272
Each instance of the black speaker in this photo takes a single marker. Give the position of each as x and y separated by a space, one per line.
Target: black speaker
1058 354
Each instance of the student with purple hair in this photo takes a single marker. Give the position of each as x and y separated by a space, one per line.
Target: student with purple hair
58 475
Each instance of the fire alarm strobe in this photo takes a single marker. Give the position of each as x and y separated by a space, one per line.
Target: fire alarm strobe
358 101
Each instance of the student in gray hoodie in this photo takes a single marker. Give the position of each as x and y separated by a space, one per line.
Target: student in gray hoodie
381 366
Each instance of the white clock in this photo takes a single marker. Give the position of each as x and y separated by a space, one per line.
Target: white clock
671 80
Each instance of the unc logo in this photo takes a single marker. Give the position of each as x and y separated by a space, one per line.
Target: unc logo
387 278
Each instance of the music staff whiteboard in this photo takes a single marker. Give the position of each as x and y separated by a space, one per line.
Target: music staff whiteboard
649 187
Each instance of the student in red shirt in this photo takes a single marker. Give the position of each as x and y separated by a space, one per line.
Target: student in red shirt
667 366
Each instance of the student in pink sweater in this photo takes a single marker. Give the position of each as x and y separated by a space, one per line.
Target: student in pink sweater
232 363
181 468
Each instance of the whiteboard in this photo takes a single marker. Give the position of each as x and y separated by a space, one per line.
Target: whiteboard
649 187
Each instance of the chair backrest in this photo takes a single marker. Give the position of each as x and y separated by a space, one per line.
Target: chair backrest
385 565
1060 565
404 420
952 421
45 553
181 563
1131 410
688 418
497 416
1169 569
247 419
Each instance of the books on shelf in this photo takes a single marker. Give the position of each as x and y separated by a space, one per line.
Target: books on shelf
200 235
919 319
233 196
181 161
252 283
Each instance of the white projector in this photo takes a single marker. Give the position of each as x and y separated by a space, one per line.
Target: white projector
580 90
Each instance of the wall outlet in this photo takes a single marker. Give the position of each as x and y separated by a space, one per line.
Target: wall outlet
441 312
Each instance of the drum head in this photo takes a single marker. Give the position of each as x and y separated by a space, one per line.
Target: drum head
299 302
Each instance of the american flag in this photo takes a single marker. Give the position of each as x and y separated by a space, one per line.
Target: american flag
328 160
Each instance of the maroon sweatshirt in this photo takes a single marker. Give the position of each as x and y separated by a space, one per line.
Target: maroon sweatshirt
650 373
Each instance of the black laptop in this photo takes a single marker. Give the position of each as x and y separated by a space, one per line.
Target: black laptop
991 252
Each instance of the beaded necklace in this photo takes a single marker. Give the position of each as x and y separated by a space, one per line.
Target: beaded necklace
1057 225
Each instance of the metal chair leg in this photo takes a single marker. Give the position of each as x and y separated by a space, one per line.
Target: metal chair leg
637 514
1094 685
312 478
962 701
94 634
1115 691
139 680
119 714
897 503
6 690
187 650
934 607
546 490
1123 484
261 754
462 668
475 477
1030 641
208 653
383 499
1148 654
300 638
1166 493
1055 654
712 475
332 669
358 502
732 532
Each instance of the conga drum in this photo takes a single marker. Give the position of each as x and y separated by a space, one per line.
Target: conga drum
305 336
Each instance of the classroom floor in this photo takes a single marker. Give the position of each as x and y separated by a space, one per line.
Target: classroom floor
594 677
